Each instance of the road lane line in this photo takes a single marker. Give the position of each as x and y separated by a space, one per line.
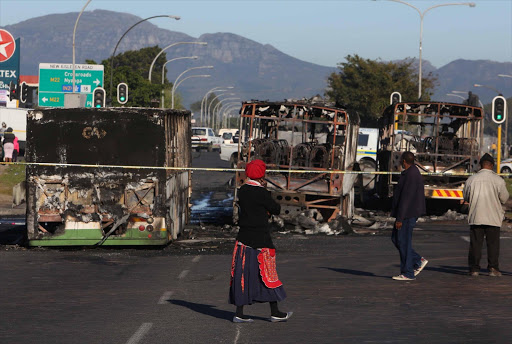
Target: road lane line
237 334
183 274
196 259
141 332
165 297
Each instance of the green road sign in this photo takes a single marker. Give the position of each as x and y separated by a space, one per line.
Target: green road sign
56 79
56 99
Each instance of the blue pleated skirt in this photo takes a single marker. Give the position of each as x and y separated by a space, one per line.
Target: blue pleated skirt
251 288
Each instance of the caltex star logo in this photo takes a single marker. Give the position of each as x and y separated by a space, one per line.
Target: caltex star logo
7 45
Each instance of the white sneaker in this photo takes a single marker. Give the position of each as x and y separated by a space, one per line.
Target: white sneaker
242 320
424 263
402 278
278 319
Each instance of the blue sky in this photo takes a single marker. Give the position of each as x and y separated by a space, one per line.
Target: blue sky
322 32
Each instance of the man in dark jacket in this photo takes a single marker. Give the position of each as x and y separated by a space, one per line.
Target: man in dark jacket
408 205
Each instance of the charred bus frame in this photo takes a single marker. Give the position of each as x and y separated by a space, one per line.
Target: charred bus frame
445 138
303 136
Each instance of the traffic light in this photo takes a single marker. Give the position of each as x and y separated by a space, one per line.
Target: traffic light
98 97
122 93
396 97
13 91
499 109
23 92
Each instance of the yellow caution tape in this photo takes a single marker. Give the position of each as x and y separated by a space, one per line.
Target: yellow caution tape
235 169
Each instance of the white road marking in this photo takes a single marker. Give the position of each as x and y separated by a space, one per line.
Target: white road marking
165 297
141 332
183 274
196 259
237 334
466 238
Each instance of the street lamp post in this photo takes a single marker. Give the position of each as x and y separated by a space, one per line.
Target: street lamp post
164 49
124 34
225 108
163 70
179 76
206 95
505 75
422 15
217 106
188 77
209 113
74 33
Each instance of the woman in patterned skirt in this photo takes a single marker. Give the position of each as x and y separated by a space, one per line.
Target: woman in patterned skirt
253 269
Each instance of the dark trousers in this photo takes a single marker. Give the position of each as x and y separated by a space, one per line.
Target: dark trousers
402 238
492 237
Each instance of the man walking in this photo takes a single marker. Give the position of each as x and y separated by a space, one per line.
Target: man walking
485 192
408 205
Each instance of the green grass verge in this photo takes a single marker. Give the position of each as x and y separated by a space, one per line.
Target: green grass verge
11 176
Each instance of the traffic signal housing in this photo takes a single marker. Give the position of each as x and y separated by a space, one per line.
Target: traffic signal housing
13 91
23 92
395 97
122 93
98 97
499 109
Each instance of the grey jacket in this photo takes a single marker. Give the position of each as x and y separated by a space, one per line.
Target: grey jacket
485 192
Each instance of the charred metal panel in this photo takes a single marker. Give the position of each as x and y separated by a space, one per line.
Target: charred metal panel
128 137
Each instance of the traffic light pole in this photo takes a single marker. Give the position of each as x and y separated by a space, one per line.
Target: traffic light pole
498 160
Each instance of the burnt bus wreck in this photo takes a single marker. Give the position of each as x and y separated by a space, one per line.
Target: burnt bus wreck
301 136
445 138
128 203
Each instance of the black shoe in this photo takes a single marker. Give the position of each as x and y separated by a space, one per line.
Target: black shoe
278 319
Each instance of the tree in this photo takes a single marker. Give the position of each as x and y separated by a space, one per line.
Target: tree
132 68
364 86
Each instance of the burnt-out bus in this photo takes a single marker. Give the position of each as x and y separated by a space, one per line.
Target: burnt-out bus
446 139
98 177
303 143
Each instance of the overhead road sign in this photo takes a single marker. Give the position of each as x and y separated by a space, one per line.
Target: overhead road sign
56 79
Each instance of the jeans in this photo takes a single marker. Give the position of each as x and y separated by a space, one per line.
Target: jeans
492 236
402 238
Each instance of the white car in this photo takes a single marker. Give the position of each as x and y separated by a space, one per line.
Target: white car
506 166
205 138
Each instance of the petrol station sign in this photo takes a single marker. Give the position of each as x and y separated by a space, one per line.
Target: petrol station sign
9 59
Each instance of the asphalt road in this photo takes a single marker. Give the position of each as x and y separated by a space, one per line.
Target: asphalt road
339 287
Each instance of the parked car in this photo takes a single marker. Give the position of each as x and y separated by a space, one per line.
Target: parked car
205 138
506 166
227 134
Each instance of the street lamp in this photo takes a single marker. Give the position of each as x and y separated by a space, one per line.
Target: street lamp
179 76
225 108
505 75
422 15
164 49
206 95
188 77
163 69
217 105
74 33
455 95
489 87
124 34
227 112
209 112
